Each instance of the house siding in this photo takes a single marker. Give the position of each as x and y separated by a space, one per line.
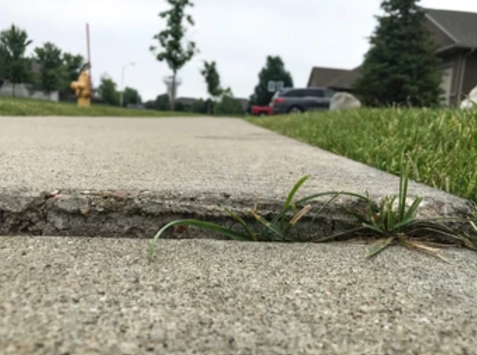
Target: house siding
454 61
470 76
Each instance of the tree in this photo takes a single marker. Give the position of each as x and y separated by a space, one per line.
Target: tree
51 75
131 96
72 65
274 70
212 79
14 43
107 90
3 63
175 52
163 103
401 66
200 106
228 104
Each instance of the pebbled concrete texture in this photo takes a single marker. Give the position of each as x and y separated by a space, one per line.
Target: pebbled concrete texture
102 296
125 176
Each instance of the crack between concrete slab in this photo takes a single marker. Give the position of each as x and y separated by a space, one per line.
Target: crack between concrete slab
139 214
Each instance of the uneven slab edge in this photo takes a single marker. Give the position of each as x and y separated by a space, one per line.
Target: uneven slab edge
139 214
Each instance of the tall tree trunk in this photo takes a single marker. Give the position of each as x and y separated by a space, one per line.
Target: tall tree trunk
173 91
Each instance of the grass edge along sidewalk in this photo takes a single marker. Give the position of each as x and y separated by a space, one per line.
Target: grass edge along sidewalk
28 107
438 143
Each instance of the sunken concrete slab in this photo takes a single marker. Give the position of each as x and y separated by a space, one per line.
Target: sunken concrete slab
87 176
103 296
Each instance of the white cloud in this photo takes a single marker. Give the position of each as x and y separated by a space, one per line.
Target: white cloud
237 34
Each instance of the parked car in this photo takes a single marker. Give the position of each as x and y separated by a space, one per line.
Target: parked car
261 110
291 100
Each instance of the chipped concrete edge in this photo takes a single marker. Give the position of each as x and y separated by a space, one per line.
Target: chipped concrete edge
139 214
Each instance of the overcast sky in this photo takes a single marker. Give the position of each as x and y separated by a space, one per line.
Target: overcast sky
237 34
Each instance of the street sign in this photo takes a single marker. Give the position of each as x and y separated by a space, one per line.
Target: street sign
274 86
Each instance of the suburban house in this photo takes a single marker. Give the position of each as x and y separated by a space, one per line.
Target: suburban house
455 34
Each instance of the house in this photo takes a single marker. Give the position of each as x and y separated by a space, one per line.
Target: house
455 34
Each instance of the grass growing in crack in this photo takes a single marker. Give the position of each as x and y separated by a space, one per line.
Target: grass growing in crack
392 222
282 228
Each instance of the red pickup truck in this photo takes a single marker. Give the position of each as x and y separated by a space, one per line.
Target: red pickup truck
262 111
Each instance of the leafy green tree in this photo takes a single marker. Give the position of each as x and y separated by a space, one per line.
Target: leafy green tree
51 76
174 50
200 106
150 104
107 90
274 70
401 66
212 79
3 63
162 103
228 104
131 96
14 42
72 65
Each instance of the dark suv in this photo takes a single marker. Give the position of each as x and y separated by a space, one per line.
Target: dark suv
301 100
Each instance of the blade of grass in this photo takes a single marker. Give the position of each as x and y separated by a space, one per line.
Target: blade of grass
403 189
425 249
467 242
292 194
337 235
379 246
192 222
300 215
243 224
269 225
326 205
411 212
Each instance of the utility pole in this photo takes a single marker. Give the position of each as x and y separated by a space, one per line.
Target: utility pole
88 43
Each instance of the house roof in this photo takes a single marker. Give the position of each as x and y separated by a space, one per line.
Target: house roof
346 80
321 76
186 100
460 27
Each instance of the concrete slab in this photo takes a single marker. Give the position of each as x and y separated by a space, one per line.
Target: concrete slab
154 170
102 296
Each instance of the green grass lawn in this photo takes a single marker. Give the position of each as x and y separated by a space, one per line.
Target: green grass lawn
25 107
441 145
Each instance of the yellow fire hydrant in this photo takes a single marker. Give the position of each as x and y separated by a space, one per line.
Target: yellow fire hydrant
82 89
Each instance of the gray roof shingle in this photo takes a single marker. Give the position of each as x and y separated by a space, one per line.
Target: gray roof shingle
322 76
462 26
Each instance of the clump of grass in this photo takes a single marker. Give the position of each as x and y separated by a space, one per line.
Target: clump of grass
284 227
393 222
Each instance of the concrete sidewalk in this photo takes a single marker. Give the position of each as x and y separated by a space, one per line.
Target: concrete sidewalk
104 177
102 296
124 177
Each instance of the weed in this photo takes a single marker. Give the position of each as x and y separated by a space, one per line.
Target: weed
284 227
391 224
